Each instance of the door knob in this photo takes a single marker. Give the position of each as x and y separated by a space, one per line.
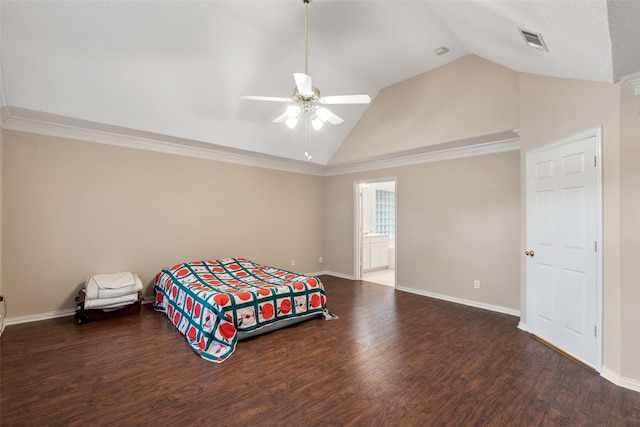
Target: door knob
529 253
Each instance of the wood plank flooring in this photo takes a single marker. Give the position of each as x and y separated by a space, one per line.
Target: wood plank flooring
392 359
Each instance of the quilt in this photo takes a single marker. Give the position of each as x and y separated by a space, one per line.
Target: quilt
210 301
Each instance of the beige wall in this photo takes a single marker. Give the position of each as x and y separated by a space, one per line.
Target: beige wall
459 217
72 209
467 98
552 109
457 221
630 232
1 210
548 109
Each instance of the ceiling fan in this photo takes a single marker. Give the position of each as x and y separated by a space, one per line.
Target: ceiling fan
306 98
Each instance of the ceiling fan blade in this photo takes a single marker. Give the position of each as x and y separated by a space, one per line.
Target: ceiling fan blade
281 118
326 115
303 83
334 119
346 99
265 98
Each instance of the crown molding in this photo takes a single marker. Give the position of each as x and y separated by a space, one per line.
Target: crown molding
22 120
4 115
16 121
633 80
436 155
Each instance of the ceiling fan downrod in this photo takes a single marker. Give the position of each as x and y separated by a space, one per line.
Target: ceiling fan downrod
306 98
306 35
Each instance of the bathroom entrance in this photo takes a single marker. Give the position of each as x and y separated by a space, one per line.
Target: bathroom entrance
375 239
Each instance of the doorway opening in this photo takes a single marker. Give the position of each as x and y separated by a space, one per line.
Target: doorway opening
375 236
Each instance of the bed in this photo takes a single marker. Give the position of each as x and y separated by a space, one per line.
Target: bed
216 303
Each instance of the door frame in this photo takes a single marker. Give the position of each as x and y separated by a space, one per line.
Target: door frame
589 133
357 226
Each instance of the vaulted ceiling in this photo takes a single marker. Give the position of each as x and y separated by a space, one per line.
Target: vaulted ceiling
177 69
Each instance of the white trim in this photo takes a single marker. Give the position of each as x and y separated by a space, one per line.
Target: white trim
23 120
4 116
633 80
463 301
599 238
606 373
619 380
522 326
315 273
357 229
40 316
593 132
149 144
340 275
597 134
52 314
357 223
430 157
3 93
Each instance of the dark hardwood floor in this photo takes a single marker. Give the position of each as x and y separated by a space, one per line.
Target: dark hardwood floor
393 358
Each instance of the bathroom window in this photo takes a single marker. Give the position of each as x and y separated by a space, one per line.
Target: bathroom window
385 212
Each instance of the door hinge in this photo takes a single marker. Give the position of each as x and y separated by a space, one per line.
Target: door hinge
595 331
595 246
595 161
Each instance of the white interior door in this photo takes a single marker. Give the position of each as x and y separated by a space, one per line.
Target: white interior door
562 242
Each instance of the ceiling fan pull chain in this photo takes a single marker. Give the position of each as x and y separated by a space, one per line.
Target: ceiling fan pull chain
307 139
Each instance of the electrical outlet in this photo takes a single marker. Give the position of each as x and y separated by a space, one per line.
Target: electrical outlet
293 263
320 260
476 284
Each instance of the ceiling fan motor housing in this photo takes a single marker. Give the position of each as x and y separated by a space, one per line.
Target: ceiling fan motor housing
307 101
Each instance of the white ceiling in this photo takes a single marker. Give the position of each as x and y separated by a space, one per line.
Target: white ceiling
178 68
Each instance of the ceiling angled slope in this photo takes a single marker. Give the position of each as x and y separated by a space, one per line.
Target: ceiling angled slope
624 19
178 69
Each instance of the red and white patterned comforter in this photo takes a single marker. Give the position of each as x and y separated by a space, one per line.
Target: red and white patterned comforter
210 301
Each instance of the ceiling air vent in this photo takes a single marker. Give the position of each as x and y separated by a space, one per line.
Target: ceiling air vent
533 39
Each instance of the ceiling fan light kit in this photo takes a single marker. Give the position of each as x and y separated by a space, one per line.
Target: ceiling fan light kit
291 122
316 123
306 100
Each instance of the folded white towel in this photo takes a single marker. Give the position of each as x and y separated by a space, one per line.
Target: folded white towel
113 281
114 302
93 291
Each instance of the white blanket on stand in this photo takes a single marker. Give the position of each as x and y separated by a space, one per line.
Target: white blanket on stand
94 291
110 302
113 281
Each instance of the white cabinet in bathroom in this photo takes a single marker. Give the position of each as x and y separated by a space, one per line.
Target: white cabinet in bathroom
375 252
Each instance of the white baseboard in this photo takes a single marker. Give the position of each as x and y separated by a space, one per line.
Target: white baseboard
316 273
340 275
16 320
490 307
609 375
40 316
606 373
619 380
496 308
